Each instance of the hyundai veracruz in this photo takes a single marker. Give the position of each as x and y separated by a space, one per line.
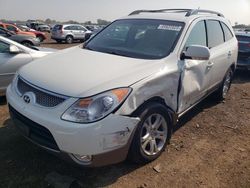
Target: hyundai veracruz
120 94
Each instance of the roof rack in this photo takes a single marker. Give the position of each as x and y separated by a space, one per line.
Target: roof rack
189 12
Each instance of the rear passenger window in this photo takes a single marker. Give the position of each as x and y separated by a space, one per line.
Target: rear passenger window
68 28
215 33
197 35
227 33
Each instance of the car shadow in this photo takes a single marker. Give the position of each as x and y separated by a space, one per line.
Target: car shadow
3 101
241 77
204 104
27 160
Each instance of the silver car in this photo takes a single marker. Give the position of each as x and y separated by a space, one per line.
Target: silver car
69 33
12 56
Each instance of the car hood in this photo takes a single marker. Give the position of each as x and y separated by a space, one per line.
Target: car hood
78 72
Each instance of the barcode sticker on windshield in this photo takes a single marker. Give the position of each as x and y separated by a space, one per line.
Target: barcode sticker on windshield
169 27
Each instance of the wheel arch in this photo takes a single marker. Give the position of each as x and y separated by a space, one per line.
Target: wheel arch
157 99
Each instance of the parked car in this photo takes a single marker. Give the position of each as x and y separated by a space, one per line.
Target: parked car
244 50
14 55
39 26
120 94
15 29
40 35
22 39
69 33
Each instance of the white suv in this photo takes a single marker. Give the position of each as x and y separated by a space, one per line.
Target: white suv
120 95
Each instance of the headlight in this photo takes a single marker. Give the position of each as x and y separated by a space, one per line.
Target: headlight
92 109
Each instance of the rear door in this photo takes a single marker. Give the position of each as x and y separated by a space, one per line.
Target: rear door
82 31
76 31
222 52
9 64
196 74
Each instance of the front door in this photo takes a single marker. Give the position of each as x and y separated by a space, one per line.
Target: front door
195 74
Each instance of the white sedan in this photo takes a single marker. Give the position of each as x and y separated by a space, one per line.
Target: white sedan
14 55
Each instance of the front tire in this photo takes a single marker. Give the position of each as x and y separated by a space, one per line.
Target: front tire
152 134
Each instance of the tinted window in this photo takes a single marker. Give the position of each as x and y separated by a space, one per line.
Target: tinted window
215 33
68 28
4 47
243 38
57 27
137 38
197 35
10 28
228 34
244 44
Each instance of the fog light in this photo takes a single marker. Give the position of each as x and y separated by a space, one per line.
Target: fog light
83 158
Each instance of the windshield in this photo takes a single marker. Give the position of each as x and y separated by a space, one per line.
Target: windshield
137 38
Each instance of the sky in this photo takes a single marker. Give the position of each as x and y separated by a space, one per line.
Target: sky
91 10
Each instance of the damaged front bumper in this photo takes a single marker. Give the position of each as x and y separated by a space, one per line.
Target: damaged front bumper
95 144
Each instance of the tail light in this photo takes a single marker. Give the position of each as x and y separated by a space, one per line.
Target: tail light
60 30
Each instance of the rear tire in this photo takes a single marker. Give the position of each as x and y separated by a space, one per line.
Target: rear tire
69 39
222 92
152 134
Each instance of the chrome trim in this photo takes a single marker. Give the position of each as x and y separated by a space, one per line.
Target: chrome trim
39 89
43 90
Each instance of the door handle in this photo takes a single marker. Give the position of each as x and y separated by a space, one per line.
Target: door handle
229 54
210 64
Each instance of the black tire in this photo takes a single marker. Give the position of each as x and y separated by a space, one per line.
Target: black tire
27 43
40 37
222 92
69 39
136 152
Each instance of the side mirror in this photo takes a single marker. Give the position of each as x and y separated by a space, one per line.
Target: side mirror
14 50
196 52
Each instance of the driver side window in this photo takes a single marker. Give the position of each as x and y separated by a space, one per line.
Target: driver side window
4 48
197 36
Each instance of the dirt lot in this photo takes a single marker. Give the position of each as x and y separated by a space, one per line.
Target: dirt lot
210 148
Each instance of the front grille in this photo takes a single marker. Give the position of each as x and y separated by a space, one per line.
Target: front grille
42 97
33 131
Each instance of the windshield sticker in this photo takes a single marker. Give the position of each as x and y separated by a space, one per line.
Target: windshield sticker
169 27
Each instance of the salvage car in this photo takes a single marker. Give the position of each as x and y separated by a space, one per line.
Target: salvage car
13 56
22 39
120 94
244 50
69 33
